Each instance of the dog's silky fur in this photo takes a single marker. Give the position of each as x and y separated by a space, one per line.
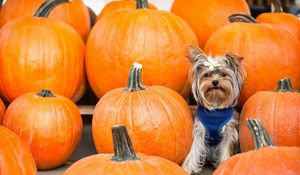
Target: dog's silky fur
230 75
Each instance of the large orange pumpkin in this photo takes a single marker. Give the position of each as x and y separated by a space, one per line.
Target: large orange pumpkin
267 160
277 16
157 39
38 53
279 112
75 13
207 16
158 119
2 111
120 4
270 53
15 157
124 161
49 124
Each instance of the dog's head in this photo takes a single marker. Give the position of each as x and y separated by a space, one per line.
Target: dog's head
216 82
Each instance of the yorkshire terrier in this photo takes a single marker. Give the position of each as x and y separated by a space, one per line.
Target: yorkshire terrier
216 85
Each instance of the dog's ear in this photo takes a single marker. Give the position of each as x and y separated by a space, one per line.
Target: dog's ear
234 60
195 53
236 65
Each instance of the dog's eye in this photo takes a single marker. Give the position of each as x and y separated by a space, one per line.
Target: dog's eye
223 75
206 75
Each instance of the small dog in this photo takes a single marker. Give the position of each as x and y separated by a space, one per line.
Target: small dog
216 85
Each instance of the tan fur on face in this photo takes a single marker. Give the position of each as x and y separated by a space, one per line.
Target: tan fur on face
230 75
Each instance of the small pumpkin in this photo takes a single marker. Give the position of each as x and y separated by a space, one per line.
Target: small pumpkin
48 123
124 160
75 13
287 20
38 53
2 111
155 38
267 159
270 52
154 114
278 111
121 4
15 157
207 16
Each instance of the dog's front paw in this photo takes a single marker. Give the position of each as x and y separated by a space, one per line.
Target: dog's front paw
191 169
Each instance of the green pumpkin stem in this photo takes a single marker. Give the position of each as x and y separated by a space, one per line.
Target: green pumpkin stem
1 2
45 93
285 85
239 17
260 136
123 148
45 9
276 6
140 4
134 80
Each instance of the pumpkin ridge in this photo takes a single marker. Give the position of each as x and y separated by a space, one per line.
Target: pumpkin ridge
167 112
22 162
10 149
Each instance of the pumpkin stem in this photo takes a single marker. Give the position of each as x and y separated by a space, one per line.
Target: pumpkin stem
1 2
239 17
285 85
140 4
276 6
45 9
259 133
134 80
122 145
45 93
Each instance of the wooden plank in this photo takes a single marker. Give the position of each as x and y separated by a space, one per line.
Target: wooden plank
89 109
86 109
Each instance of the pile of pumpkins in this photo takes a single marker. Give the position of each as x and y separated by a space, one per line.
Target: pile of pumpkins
51 50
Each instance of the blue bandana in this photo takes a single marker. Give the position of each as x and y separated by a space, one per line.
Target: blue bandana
213 122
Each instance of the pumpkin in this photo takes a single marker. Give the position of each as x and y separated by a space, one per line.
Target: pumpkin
153 114
287 20
120 4
155 38
38 53
15 157
124 160
2 111
278 110
207 16
48 123
270 52
267 160
75 13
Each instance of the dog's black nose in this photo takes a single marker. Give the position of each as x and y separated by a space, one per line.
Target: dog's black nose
215 82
